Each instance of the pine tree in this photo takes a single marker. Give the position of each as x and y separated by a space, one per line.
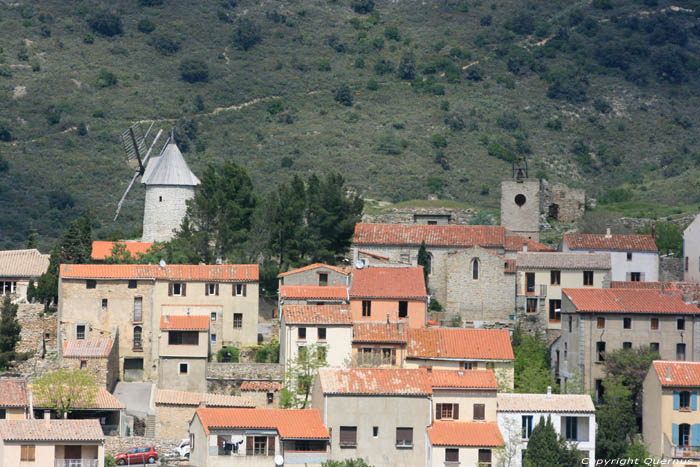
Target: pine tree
616 421
32 238
9 333
423 259
543 446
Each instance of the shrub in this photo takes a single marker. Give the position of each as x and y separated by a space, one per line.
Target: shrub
383 67
452 74
616 195
475 73
5 70
105 23
82 129
146 26
5 132
360 62
484 190
435 305
601 105
554 124
88 38
501 152
581 153
53 116
98 113
106 79
372 85
4 165
378 43
343 95
508 121
567 85
247 34
390 144
362 6
602 4
286 162
165 45
275 106
324 65
438 141
193 70
435 184
486 20
407 66
228 354
150 2
522 23
392 33
456 122
59 199
445 105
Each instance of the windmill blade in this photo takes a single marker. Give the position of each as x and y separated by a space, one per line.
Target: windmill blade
153 143
134 142
121 201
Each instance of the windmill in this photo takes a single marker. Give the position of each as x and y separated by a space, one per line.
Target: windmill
134 142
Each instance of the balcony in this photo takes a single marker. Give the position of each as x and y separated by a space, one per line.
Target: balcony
76 463
305 457
688 452
533 290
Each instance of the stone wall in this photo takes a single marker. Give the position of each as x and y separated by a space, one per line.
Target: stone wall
164 209
520 207
405 215
226 378
120 444
670 269
38 337
563 203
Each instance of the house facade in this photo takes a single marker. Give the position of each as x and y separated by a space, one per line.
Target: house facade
464 443
313 295
316 274
264 394
99 356
183 350
379 344
691 251
18 268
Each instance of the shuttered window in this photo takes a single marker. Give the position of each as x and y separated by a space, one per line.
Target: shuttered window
239 290
479 411
451 455
270 445
348 436
28 453
404 437
484 457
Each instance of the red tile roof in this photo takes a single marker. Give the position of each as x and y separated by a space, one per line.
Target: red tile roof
51 430
13 393
516 243
375 381
577 241
468 434
463 379
261 386
87 348
689 291
314 292
173 272
433 235
311 267
169 397
104 400
683 374
317 314
379 332
184 322
374 255
627 301
289 423
458 343
101 250
380 282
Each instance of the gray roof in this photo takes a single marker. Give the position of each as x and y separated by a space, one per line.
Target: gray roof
545 403
23 263
169 168
563 261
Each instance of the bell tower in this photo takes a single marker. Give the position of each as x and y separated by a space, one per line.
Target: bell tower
520 202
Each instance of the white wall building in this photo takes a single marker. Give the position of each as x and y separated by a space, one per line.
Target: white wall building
691 251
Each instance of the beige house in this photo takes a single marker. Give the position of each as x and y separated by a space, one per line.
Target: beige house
464 443
670 411
379 344
264 394
183 352
51 443
540 278
14 399
18 268
99 356
95 298
316 274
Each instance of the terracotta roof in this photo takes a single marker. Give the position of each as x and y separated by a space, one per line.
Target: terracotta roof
689 291
433 235
13 393
184 322
314 292
545 403
627 301
87 348
23 263
380 332
508 264
463 379
375 381
173 272
458 343
563 260
374 255
468 434
289 423
683 374
261 386
516 243
169 397
311 267
317 314
101 250
103 400
379 282
577 241
51 430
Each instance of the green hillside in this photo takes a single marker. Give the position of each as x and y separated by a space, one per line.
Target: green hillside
602 95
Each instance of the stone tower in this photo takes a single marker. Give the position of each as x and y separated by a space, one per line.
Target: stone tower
520 203
169 184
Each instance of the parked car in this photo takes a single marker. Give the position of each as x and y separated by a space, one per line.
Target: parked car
183 449
140 455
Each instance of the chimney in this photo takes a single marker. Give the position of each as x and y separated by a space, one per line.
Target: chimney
429 369
607 232
549 392
668 373
387 318
47 418
653 231
524 247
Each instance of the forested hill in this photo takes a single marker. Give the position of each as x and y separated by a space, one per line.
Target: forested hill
404 98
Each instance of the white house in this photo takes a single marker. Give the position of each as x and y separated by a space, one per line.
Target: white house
633 257
691 251
573 417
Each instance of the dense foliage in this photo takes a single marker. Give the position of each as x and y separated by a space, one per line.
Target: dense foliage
531 365
9 332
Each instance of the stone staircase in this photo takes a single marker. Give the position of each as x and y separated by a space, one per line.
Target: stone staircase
150 426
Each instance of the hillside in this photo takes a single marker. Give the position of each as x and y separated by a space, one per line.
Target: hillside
602 95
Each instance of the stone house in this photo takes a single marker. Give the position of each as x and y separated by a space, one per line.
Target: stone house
315 274
632 257
596 321
521 203
378 293
99 356
175 409
573 417
691 251
379 344
51 443
540 278
95 299
103 249
14 399
264 394
183 351
18 268
313 295
254 437
480 285
671 425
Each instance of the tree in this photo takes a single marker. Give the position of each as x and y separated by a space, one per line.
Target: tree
407 66
9 333
5 131
64 390
193 70
669 237
32 238
343 95
120 255
105 23
616 421
543 446
299 375
31 291
630 367
512 435
285 209
531 365
423 260
362 6
247 34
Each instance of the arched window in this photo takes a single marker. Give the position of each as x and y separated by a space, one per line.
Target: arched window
475 269
429 264
137 337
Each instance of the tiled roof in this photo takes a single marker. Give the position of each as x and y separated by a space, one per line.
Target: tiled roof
379 332
104 400
577 241
173 272
374 255
375 381
51 430
87 348
563 261
23 263
169 397
184 322
311 267
13 393
689 291
516 243
683 374
458 343
261 386
433 235
379 282
317 314
314 292
289 423
468 434
101 249
627 301
508 264
545 403
463 379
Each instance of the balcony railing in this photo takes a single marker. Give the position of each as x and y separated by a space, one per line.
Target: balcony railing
691 452
76 463
533 290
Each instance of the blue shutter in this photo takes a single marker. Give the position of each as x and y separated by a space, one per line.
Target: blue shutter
674 433
694 400
676 401
695 434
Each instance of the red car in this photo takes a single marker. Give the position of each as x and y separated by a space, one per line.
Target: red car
135 456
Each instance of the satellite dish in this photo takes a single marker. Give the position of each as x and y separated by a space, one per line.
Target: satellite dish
359 264
279 460
162 263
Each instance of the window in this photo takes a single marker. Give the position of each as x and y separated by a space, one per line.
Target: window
629 256
627 323
680 351
237 320
475 270
404 437
8 287
389 356
239 290
213 338
270 398
570 323
566 350
133 284
527 426
484 458
588 278
213 316
322 334
684 435
447 411
599 390
479 411
451 455
160 199
138 309
555 277
177 289
403 309
532 305
323 279
259 445
654 346
105 302
27 453
83 364
348 436
90 284
301 333
375 431
686 264
3 414
635 276
530 282
601 322
654 324
366 308
680 324
184 368
684 400
80 331
470 365
183 338
600 351
137 337
571 428
627 345
555 310
211 289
